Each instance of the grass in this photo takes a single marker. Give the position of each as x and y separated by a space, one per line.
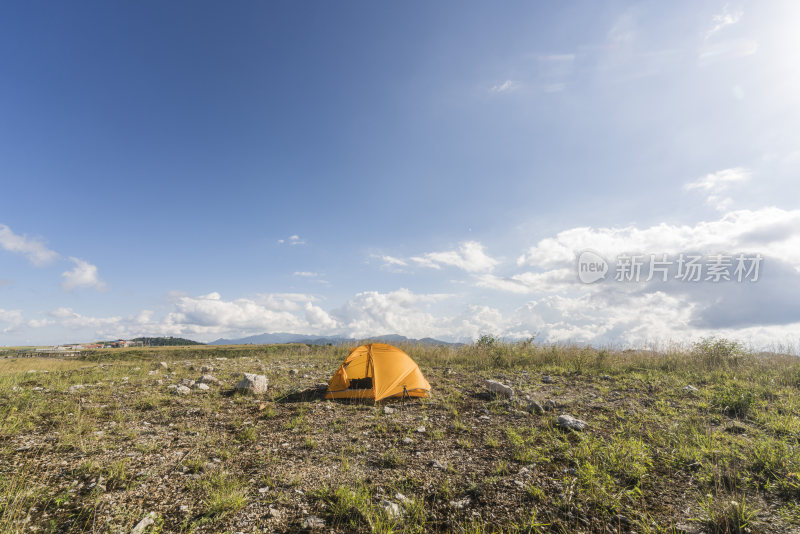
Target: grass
97 458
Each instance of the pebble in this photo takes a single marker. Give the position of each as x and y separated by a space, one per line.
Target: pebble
313 522
572 423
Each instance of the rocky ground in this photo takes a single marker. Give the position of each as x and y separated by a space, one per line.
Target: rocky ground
152 445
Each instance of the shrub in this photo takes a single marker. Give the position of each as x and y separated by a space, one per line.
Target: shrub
719 352
733 399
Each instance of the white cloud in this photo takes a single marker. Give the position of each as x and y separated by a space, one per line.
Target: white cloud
504 87
530 282
306 274
722 20
84 274
210 314
33 249
374 313
772 231
71 319
720 180
318 319
284 301
391 260
11 318
470 257
292 240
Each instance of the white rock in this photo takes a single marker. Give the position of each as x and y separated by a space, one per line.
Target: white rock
459 505
392 509
182 390
689 389
313 522
209 379
567 421
388 410
201 386
421 429
499 389
252 383
164 365
147 521
407 440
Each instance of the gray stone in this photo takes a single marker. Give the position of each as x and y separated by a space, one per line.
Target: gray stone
388 410
689 389
436 465
501 390
200 386
206 369
571 423
188 382
148 521
460 505
209 379
182 390
252 383
164 365
313 522
421 429
407 440
550 405
535 407
547 379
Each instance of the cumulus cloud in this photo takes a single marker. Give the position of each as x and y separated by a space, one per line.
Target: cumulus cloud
209 314
11 319
529 282
470 257
33 249
772 231
83 274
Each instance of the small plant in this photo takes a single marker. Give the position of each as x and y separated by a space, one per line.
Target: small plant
733 399
501 468
392 458
223 494
247 434
727 515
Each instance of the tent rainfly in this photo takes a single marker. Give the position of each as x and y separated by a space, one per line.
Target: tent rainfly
377 371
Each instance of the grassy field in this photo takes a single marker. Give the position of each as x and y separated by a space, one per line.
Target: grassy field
100 443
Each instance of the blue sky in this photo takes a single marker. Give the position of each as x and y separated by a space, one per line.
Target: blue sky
203 169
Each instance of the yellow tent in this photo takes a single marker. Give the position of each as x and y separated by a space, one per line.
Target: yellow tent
377 371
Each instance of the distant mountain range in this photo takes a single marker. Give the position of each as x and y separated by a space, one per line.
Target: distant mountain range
266 339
